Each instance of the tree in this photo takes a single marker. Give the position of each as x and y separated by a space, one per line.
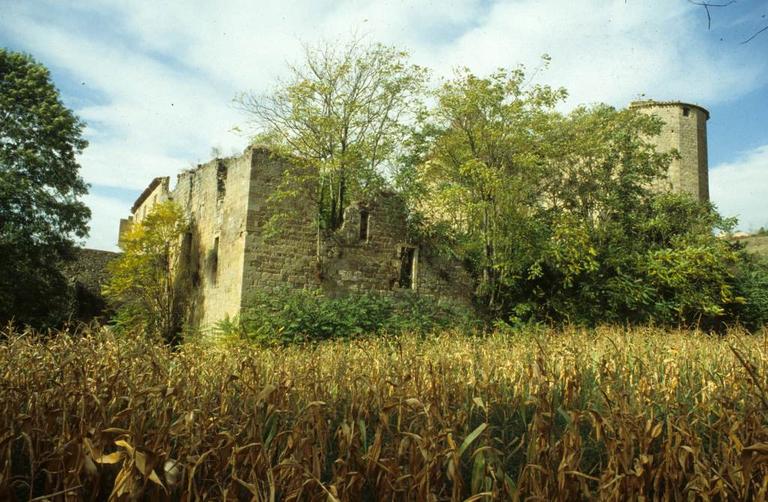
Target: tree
341 115
617 249
558 213
146 281
482 167
40 188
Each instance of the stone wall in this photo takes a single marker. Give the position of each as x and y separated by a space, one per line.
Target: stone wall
367 254
282 242
685 130
281 234
215 199
87 274
155 193
253 227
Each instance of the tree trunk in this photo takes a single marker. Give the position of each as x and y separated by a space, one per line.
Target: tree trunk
489 270
338 218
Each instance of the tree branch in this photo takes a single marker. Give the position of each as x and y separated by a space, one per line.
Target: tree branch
707 5
754 35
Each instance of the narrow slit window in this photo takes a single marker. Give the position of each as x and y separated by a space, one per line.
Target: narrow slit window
364 225
407 265
686 111
214 260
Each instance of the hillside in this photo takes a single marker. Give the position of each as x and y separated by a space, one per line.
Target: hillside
757 244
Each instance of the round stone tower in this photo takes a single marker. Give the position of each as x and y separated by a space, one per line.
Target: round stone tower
685 129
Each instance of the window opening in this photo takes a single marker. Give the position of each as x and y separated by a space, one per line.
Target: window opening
686 111
214 260
364 220
407 265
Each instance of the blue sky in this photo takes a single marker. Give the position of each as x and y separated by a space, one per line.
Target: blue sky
155 80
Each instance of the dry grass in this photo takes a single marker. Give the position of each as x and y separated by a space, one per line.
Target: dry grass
608 414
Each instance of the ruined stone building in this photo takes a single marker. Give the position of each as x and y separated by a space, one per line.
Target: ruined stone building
230 252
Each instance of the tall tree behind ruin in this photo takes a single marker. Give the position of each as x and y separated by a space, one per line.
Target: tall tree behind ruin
482 167
341 114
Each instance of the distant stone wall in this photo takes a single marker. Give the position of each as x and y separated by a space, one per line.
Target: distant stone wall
155 193
87 274
757 244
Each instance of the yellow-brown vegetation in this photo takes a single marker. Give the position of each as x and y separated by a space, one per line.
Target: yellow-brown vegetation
611 414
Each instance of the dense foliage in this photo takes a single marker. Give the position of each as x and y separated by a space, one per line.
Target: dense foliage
610 414
341 116
145 281
752 285
40 190
560 216
289 316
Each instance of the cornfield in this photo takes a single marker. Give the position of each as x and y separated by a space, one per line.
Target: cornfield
608 414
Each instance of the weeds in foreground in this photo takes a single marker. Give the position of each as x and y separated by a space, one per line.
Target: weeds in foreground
612 414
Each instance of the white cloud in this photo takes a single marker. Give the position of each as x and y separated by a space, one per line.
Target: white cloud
608 52
165 72
740 188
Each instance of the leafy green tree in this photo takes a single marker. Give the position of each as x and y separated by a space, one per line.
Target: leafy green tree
145 281
660 263
481 169
40 189
599 173
558 214
615 249
340 115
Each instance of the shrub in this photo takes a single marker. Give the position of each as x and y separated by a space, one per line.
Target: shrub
144 281
752 286
288 316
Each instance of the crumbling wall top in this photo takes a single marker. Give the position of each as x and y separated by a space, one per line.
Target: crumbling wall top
162 180
649 103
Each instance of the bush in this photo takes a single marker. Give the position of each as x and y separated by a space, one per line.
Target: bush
289 316
752 286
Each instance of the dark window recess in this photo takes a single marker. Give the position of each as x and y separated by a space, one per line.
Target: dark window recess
407 255
686 111
186 249
214 260
364 220
188 264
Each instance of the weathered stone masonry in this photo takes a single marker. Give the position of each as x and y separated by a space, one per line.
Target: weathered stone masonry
684 130
231 250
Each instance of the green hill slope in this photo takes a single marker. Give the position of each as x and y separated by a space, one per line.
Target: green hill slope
756 244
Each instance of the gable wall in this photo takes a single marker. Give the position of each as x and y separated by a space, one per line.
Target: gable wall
214 196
